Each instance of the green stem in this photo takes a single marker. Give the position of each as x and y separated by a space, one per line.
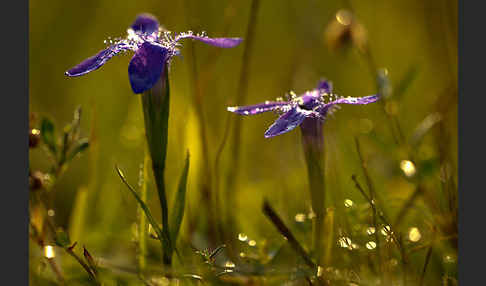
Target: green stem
155 104
313 145
142 222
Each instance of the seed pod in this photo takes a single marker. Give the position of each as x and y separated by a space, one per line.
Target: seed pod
36 180
345 31
34 137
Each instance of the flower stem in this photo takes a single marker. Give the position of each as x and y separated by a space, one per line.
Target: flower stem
155 103
142 222
313 145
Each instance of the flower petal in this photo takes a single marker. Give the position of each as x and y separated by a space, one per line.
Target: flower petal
356 100
325 85
286 122
217 42
96 61
145 23
146 66
347 100
257 108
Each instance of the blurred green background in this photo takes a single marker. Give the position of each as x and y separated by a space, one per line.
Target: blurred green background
414 39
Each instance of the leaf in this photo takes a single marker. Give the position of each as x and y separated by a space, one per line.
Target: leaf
406 81
47 135
144 207
83 144
62 239
179 203
75 124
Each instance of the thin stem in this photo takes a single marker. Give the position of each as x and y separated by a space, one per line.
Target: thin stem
70 251
285 231
371 201
156 103
408 204
313 147
426 263
142 223
380 214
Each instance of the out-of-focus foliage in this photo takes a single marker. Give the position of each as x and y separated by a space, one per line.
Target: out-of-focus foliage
408 141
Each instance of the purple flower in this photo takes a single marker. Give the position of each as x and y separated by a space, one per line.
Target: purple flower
315 104
154 47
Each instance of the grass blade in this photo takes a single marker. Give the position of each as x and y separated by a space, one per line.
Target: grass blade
47 135
144 207
179 203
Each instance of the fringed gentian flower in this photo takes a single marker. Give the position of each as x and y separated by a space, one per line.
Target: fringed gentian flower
148 72
154 47
308 111
315 104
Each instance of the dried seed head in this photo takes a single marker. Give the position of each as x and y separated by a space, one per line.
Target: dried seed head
36 180
344 30
34 137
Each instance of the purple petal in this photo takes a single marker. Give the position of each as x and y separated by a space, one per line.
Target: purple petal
356 100
285 123
348 100
217 42
96 61
146 67
257 108
325 85
145 23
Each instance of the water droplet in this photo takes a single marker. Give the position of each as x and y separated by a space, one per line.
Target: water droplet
385 230
348 203
229 264
242 254
365 125
344 17
345 242
51 212
370 230
252 243
414 234
407 167
49 251
449 258
320 271
311 215
300 217
371 245
242 237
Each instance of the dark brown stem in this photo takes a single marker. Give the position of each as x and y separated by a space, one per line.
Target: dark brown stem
285 231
